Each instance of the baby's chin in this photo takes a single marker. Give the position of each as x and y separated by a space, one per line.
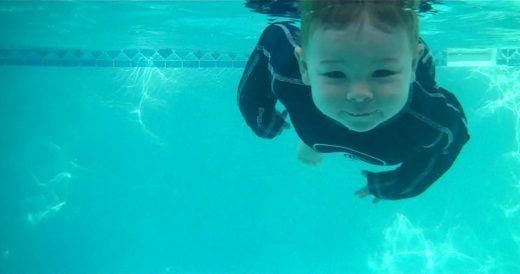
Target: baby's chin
359 125
361 129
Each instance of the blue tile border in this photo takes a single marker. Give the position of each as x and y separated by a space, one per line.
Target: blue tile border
167 58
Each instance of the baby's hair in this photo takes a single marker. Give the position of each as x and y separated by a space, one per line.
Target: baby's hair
386 15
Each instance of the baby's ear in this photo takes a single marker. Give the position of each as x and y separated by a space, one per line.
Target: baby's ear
420 51
415 61
302 65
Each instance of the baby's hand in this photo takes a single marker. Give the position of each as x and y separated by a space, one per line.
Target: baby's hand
308 155
364 192
285 124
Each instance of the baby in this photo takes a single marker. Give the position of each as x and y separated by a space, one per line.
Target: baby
356 79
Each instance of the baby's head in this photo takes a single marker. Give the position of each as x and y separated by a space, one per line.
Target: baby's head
359 57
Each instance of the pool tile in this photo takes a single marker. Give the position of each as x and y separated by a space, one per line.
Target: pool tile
131 53
167 57
190 64
87 63
165 53
104 63
207 64
173 64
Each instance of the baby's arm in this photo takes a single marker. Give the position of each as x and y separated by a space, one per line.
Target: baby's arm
255 97
413 177
427 165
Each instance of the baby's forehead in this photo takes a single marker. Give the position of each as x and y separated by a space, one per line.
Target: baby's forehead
356 32
359 25
380 50
346 34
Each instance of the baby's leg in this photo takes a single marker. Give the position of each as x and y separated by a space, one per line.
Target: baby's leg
308 155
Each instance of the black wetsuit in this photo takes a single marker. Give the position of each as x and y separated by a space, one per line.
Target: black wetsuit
424 139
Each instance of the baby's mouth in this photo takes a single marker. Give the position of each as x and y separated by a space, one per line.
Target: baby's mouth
359 114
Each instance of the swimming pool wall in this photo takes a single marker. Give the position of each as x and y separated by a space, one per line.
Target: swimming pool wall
187 58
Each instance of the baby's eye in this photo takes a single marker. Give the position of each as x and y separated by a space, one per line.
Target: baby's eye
335 74
383 73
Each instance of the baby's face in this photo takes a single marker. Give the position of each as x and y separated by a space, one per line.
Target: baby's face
359 76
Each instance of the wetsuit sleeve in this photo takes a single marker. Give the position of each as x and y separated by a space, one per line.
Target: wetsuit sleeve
425 72
256 99
427 165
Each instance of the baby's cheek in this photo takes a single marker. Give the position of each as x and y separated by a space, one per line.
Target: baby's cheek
331 98
399 96
333 93
324 101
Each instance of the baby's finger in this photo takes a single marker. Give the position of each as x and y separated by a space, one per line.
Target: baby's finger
284 127
364 173
285 113
362 193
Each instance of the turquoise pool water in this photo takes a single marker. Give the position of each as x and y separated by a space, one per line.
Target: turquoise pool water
123 151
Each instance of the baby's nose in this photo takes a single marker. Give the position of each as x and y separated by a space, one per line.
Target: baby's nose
359 94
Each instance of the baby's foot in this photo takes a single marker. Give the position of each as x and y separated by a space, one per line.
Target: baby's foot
308 155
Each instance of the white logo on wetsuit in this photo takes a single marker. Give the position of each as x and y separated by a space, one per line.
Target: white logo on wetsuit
351 156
